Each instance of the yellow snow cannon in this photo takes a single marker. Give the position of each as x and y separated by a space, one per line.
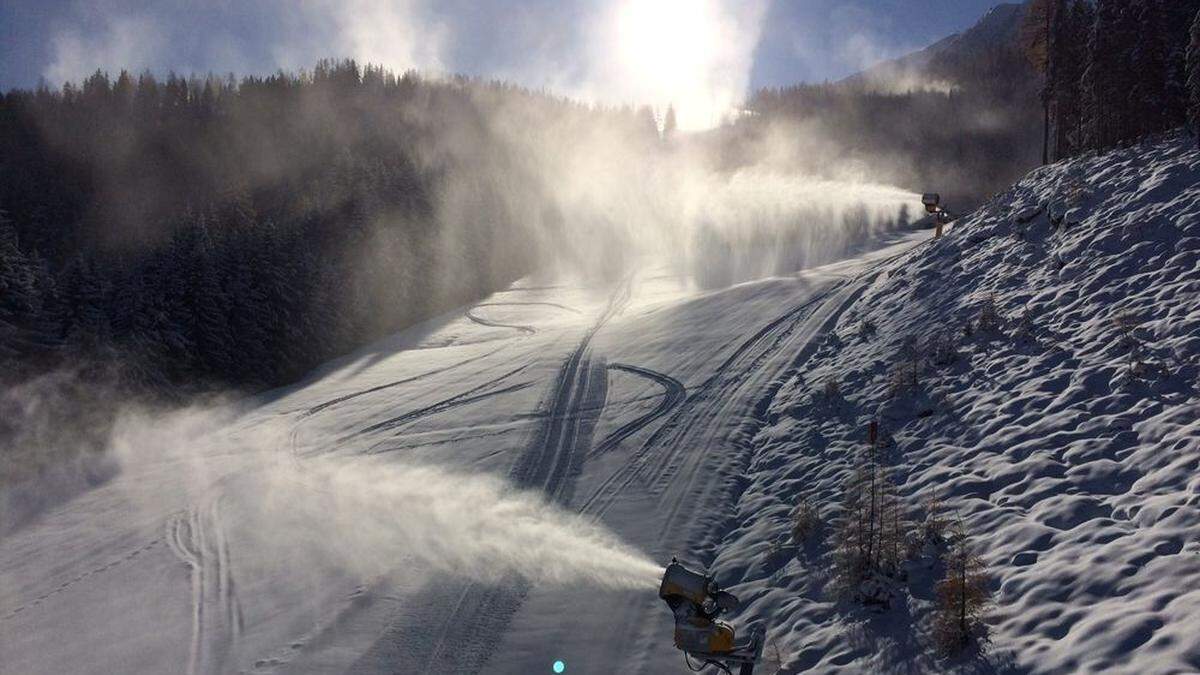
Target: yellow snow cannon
697 601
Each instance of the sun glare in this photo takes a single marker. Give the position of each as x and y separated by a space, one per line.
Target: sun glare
669 48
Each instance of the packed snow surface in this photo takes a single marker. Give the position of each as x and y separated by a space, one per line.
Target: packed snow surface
497 489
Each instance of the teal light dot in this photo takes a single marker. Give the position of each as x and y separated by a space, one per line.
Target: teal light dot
559 666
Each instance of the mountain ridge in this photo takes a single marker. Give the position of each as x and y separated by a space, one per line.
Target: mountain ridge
998 28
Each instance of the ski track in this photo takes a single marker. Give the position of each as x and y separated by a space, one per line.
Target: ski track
408 380
469 618
670 436
462 622
450 439
556 454
692 424
527 330
472 395
674 392
523 328
739 401
692 462
217 620
530 303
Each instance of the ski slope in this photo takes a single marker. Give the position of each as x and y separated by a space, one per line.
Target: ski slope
685 423
215 549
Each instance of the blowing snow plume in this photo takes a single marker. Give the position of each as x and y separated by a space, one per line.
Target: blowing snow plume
358 517
374 516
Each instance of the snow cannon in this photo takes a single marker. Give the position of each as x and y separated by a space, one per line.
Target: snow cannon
696 601
932 202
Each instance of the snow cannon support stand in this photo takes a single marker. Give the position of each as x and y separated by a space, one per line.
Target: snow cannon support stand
696 602
931 200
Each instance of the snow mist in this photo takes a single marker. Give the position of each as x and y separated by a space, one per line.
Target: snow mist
355 517
375 514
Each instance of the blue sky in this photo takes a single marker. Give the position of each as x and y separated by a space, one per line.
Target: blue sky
701 53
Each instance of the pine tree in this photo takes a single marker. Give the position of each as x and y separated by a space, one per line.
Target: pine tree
872 533
963 596
1147 97
894 528
669 124
1178 16
1068 138
88 301
1193 77
214 339
1108 78
17 298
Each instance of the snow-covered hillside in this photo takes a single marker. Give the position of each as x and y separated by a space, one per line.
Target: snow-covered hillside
472 495
1066 434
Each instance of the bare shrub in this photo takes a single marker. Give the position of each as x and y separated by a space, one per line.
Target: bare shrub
871 536
988 318
963 597
1126 324
933 529
833 390
903 377
942 350
806 520
772 662
905 372
866 328
1073 190
775 548
1025 330
894 530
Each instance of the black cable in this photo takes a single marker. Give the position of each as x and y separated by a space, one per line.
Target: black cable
707 662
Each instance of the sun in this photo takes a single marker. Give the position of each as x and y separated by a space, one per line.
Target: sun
667 48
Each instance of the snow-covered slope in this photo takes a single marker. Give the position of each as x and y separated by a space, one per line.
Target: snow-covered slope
1067 435
350 523
356 522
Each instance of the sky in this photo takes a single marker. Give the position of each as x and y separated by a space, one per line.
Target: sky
703 56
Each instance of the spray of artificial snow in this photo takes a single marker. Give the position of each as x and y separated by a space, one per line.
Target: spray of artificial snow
358 516
378 515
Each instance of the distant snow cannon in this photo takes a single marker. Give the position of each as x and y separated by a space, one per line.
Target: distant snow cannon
932 202
697 601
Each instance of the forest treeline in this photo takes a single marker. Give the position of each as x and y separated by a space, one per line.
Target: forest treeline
1113 71
206 233
1073 76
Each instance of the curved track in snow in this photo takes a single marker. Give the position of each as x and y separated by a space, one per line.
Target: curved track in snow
472 395
408 380
674 392
523 328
